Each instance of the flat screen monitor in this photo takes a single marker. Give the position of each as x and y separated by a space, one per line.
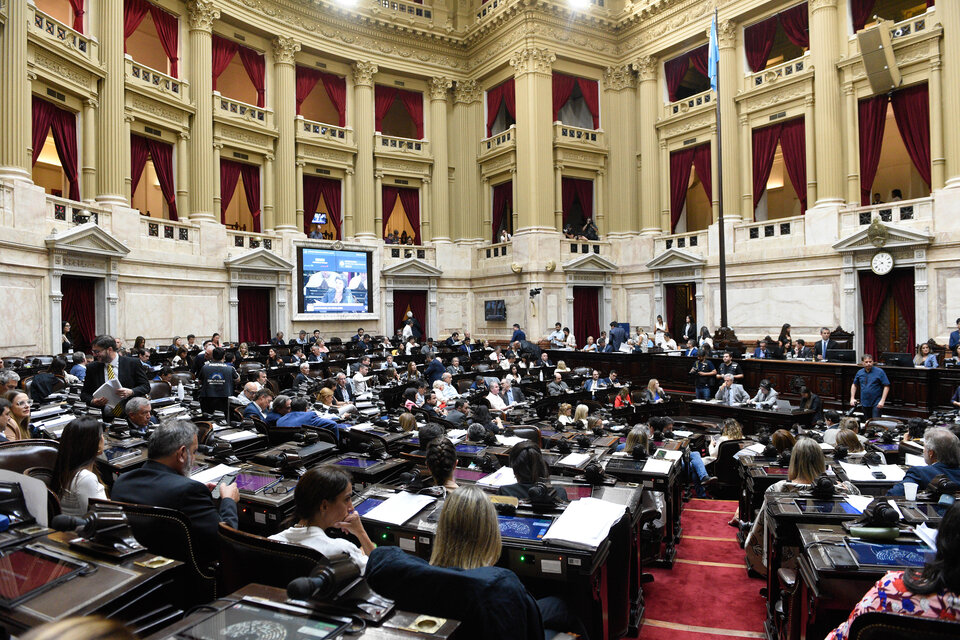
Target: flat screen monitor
842 355
494 310
27 572
827 506
575 492
891 555
244 620
897 359
471 475
250 482
523 528
469 448
333 282
357 463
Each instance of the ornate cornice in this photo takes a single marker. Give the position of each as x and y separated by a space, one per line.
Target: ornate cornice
646 68
467 92
201 14
363 72
439 87
285 49
532 60
618 78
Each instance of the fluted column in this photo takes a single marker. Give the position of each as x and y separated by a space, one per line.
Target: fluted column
730 152
746 174
532 67
825 53
379 215
649 107
348 205
183 177
664 188
515 190
88 186
486 225
284 50
852 144
299 191
269 193
205 183
937 161
367 189
810 153
620 123
125 168
440 186
949 17
558 194
601 200
15 89
468 125
426 209
114 157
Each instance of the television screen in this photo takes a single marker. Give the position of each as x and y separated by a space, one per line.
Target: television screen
495 310
335 281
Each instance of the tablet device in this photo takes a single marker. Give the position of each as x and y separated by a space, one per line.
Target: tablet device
358 463
523 528
252 482
470 448
826 506
364 507
115 454
890 555
244 620
29 571
469 474
577 491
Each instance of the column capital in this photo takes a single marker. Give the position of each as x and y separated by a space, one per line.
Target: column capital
744 120
439 87
618 78
285 49
727 34
532 60
349 171
646 68
557 166
184 135
425 180
848 88
363 72
218 146
467 92
301 164
809 100
92 103
663 144
129 117
935 63
201 14
513 171
816 5
378 174
269 157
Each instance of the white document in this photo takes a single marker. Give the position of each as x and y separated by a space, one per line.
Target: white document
499 478
825 446
237 435
509 441
913 460
399 508
756 448
656 466
366 426
859 502
109 390
863 473
213 474
682 434
34 493
668 454
895 508
456 435
585 523
928 535
574 459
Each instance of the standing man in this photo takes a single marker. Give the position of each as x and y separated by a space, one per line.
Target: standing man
823 345
704 370
518 334
216 383
618 335
874 387
731 367
434 370
556 338
110 365
954 342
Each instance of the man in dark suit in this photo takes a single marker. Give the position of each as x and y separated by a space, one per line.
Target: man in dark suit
109 365
343 392
279 408
162 482
761 350
617 336
467 346
809 401
257 408
510 394
941 452
823 345
204 357
801 350
455 368
278 340
954 343
358 337
434 370
459 413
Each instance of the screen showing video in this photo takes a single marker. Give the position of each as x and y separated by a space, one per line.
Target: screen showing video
334 281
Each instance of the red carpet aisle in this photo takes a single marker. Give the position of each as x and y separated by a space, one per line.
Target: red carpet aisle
707 595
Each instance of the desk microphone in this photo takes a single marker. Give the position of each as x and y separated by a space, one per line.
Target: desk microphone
326 580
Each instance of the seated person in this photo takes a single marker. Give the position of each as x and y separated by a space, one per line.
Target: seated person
809 401
558 386
75 478
482 416
731 430
138 413
496 402
654 394
529 468
941 452
458 414
302 416
279 408
639 436
565 414
323 500
930 592
304 376
590 346
766 395
847 438
258 407
408 422
594 383
42 384
669 344
731 393
410 398
847 422
696 469
441 461
925 357
431 404
463 582
511 395
331 406
691 349
427 434
762 351
163 481
782 440
801 350
622 398
915 430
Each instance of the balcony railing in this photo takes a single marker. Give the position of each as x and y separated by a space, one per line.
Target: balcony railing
229 108
73 212
404 9
250 240
168 230
143 76
779 72
55 31
902 211
499 140
694 242
791 228
321 131
708 97
394 253
400 145
592 138
573 248
491 7
495 250
916 24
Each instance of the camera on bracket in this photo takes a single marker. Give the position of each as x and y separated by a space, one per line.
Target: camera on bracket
535 292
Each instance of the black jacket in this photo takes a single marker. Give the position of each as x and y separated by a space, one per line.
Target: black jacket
818 347
131 373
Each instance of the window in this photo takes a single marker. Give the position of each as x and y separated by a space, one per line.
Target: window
863 11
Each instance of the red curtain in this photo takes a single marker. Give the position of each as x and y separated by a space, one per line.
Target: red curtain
133 13
389 199
162 155
78 307
251 189
410 200
311 200
764 148
590 92
562 88
48 117
413 101
139 152
307 79
585 196
505 94
860 10
330 190
43 113
681 163
253 315
337 92
586 314
168 30
793 144
669 306
796 24
674 70
255 66
701 162
415 301
568 193
904 295
873 119
757 41
223 51
873 292
77 6
383 98
699 58
229 174
502 207
911 108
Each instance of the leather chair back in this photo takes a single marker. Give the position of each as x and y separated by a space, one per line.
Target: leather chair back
527 432
21 455
246 558
159 389
181 376
892 626
726 466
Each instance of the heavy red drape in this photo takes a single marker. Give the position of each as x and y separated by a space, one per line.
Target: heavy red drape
758 41
139 152
330 190
568 193
503 94
681 163
510 97
43 113
586 314
229 174
313 189
222 52
251 189
793 144
383 98
410 200
562 88
860 10
413 101
669 305
911 108
133 13
253 315
311 200
502 207
168 30
699 58
162 155
673 71
78 307
336 88
389 199
48 118
591 97
256 69
873 292
873 119
701 162
796 24
584 190
764 148
307 79
415 301
77 6
904 295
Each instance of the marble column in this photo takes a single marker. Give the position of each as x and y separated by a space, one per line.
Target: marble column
485 202
88 170
183 177
515 190
299 191
746 170
205 172
348 204
426 209
558 195
825 53
852 144
600 198
620 120
730 152
937 161
467 120
368 195
533 70
114 159
809 135
128 186
15 158
649 221
664 190
948 14
379 215
269 222
287 208
440 185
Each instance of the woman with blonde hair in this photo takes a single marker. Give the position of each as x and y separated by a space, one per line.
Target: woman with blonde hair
580 416
408 422
639 436
653 394
565 414
562 366
17 426
925 357
850 440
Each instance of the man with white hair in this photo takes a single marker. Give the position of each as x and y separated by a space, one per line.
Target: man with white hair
304 376
941 452
731 393
447 392
246 396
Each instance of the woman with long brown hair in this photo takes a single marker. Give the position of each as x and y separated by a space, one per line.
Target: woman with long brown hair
75 478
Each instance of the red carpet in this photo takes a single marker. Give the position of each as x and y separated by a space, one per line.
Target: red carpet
701 598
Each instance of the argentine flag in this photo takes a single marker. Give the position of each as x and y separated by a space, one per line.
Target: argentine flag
713 61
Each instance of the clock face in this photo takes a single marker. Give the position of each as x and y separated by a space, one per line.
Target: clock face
882 263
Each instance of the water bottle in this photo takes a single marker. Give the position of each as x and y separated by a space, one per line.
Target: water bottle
180 391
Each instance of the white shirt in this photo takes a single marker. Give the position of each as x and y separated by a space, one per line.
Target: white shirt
316 538
556 337
496 402
84 486
449 392
571 342
359 383
242 399
407 332
410 347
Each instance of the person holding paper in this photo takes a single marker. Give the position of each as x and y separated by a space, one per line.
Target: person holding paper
529 467
109 366
941 453
323 500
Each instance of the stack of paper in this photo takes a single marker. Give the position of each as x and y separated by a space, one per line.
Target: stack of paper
509 441
859 502
913 460
499 478
574 459
928 535
657 466
245 434
213 474
399 508
864 473
585 523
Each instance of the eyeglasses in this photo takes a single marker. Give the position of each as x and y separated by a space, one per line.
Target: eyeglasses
278 490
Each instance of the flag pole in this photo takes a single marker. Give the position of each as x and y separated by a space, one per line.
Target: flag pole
715 73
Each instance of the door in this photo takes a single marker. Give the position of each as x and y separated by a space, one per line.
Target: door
79 308
679 302
586 314
411 301
253 315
